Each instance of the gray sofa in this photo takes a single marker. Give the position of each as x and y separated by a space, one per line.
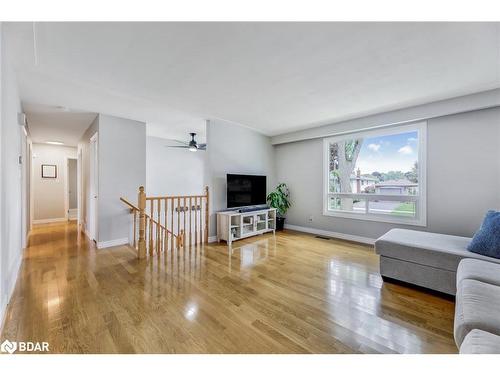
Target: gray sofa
426 259
477 309
443 263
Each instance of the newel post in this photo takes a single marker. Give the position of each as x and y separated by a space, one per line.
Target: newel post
206 214
142 223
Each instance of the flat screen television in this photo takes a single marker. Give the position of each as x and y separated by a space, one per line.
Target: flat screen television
245 190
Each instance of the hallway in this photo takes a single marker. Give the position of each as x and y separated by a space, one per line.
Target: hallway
292 293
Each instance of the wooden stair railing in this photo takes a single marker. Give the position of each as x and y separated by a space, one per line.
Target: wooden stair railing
168 222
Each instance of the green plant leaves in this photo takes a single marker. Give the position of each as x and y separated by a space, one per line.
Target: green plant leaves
280 199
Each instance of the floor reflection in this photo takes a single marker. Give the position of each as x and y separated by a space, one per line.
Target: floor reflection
289 293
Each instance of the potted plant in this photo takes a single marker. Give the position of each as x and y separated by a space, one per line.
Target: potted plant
280 199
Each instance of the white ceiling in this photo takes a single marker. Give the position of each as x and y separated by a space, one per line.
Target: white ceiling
50 123
273 77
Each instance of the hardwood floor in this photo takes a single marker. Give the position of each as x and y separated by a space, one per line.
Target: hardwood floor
292 293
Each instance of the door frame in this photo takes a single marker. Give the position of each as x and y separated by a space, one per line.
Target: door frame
31 188
93 194
66 188
79 187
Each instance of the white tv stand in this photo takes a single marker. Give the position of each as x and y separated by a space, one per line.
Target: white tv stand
234 225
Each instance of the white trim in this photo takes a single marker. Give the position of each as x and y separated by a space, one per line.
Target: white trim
31 191
212 239
382 218
111 243
14 273
79 184
87 233
341 236
47 221
66 187
93 225
421 208
73 214
11 285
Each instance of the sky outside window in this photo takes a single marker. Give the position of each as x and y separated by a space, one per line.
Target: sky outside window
395 152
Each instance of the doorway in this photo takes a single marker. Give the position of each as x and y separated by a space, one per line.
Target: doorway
93 191
72 189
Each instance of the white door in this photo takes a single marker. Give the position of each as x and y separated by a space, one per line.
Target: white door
72 200
79 188
93 193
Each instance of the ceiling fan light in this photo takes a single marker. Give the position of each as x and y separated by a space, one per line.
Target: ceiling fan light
193 148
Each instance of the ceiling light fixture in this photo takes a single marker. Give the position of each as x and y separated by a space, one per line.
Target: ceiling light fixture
192 145
54 143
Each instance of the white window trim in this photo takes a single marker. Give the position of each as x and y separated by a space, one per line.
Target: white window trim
421 207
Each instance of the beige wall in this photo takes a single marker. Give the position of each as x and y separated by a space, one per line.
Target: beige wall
48 193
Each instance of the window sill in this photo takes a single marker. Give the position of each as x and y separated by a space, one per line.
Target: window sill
420 222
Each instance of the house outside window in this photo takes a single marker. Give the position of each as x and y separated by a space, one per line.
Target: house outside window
377 175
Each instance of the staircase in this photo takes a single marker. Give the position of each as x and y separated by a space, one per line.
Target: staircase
164 223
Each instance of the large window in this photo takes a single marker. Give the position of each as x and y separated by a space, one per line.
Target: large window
377 175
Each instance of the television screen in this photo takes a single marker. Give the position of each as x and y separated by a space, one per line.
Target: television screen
245 190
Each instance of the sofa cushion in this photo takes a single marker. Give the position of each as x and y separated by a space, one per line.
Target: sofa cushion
480 342
475 269
430 249
477 307
486 241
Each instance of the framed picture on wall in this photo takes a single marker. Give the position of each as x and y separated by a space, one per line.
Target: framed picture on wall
49 171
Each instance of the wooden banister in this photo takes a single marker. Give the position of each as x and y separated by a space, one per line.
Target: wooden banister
132 207
141 251
160 230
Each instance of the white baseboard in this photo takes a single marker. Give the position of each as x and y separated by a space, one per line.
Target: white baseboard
117 242
73 213
212 239
87 233
48 221
327 233
10 286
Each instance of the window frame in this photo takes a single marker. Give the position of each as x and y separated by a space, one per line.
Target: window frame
420 218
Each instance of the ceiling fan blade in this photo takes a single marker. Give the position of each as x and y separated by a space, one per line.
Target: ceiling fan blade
178 146
202 147
181 142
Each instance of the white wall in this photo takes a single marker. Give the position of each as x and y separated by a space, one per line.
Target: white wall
11 180
84 148
122 169
234 149
461 104
172 171
463 177
49 193
2 277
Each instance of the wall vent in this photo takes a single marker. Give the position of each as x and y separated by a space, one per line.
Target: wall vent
322 237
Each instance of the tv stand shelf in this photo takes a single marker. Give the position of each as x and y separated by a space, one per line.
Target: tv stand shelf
235 225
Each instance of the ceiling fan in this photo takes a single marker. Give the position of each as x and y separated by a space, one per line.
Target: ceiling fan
192 145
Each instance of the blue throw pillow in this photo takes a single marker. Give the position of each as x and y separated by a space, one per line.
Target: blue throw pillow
486 241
